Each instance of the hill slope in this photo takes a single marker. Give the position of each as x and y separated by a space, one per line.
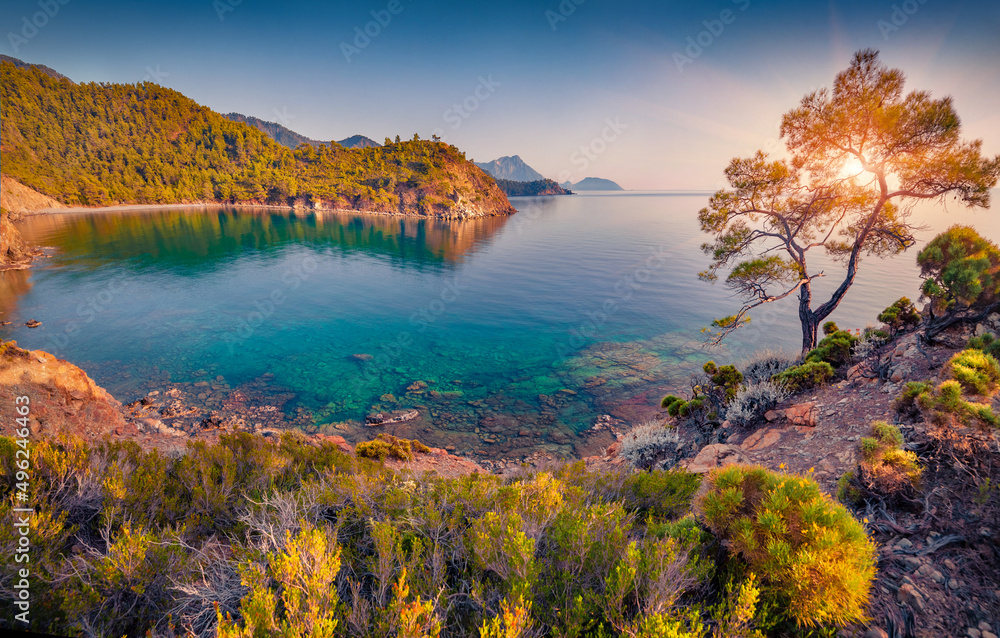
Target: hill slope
512 168
530 189
100 144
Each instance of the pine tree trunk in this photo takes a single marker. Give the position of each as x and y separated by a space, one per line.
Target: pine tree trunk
808 319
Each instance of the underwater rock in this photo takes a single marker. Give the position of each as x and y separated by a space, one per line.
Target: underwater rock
380 418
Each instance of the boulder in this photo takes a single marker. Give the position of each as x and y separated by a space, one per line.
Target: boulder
713 456
802 414
761 439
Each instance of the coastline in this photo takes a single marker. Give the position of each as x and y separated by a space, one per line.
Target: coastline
129 208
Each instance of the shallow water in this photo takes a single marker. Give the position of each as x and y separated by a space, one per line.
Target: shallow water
533 324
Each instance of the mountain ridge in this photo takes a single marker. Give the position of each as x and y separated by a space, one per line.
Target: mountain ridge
511 167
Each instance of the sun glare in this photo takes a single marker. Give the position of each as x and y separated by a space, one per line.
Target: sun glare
851 168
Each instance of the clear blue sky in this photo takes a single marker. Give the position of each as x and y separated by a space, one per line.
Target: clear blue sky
539 79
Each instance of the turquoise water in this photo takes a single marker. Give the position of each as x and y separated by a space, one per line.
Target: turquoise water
508 332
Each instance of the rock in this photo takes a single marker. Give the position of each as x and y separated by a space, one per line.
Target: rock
64 400
337 440
910 595
612 450
984 626
375 419
904 544
972 632
875 632
953 584
989 634
802 414
362 356
713 456
772 415
761 439
937 577
32 323
912 562
900 373
949 564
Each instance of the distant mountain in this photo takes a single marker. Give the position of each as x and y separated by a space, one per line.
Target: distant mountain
530 189
512 168
359 141
99 144
593 184
287 137
21 64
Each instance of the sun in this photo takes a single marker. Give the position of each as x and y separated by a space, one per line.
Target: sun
851 168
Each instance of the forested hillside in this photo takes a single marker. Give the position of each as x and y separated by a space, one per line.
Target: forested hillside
98 144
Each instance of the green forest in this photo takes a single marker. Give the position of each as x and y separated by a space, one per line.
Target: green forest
97 144
513 188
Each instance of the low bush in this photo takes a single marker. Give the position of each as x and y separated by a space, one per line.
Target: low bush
900 316
986 342
976 371
813 558
725 380
387 445
649 446
752 400
885 470
764 365
835 348
811 374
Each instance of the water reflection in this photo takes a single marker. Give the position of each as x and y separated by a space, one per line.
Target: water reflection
203 237
13 284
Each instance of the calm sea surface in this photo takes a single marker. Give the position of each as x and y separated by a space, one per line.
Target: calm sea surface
539 322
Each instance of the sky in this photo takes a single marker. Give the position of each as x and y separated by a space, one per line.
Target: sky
653 95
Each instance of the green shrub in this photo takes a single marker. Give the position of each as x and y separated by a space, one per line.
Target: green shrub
725 380
293 595
812 557
387 445
986 342
834 349
900 316
885 469
666 495
977 371
808 375
959 269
